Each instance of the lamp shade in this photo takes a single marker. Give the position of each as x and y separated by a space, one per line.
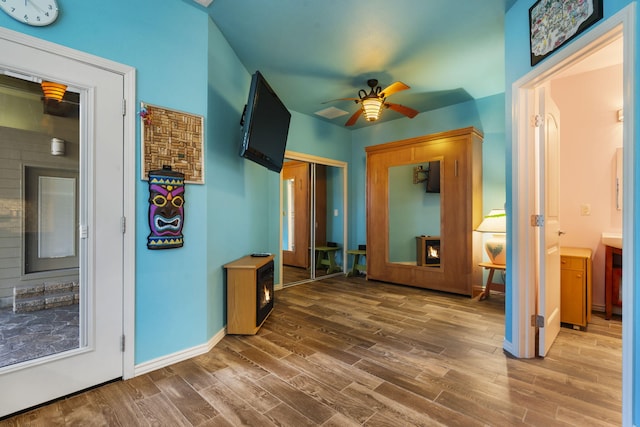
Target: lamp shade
494 222
53 90
371 108
496 246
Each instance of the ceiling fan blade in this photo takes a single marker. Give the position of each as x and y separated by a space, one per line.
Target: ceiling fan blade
352 120
342 99
393 88
409 112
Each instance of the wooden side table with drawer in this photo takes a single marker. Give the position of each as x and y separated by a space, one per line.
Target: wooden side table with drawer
575 286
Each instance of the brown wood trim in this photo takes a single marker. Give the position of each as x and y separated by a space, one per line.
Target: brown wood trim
424 139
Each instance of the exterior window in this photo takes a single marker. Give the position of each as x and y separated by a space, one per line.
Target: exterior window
51 220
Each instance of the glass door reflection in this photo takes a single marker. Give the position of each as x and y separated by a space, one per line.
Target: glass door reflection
414 214
295 220
40 291
329 229
312 220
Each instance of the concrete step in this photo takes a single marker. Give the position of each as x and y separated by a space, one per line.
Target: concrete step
46 295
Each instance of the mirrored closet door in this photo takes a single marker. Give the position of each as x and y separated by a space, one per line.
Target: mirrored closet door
313 226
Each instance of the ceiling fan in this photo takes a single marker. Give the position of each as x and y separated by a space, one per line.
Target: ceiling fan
373 102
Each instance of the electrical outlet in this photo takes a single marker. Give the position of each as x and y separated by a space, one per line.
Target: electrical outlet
335 212
585 209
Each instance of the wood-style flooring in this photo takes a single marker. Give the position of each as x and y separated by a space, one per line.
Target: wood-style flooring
291 274
347 352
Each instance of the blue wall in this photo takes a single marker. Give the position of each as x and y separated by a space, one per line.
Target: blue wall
232 191
171 300
518 65
412 212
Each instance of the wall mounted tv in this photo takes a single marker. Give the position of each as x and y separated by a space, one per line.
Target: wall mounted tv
433 177
265 125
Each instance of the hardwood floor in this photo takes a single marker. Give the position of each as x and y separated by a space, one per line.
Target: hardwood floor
346 352
297 274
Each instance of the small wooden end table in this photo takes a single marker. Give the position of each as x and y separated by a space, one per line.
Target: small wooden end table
325 256
491 285
357 253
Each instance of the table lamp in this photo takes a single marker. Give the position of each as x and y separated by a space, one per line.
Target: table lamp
496 245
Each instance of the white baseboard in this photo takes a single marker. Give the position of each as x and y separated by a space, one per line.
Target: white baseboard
171 359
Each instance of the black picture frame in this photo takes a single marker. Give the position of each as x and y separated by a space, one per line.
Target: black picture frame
552 23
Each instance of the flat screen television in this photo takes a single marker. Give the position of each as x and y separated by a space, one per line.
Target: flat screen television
433 177
265 125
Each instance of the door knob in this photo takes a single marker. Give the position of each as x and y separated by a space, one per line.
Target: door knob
561 233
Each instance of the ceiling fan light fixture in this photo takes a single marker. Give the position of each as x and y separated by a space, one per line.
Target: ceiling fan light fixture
53 90
372 107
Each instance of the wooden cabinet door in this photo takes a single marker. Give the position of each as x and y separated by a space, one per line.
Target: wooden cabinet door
572 291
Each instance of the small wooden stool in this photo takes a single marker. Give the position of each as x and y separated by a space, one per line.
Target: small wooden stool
486 293
325 256
357 253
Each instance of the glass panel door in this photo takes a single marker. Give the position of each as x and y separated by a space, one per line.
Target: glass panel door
313 218
61 212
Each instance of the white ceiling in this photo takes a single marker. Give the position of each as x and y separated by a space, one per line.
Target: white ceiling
312 51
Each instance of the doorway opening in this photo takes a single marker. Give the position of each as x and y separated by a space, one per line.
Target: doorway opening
524 200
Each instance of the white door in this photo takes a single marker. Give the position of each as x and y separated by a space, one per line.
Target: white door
98 235
549 233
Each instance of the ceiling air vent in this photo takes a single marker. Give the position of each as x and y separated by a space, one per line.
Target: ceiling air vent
204 3
331 113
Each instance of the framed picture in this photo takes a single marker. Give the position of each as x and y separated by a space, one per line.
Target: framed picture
172 138
552 23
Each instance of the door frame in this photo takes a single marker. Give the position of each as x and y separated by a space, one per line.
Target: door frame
522 236
327 162
128 74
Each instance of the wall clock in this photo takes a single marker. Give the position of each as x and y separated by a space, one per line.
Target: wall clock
32 12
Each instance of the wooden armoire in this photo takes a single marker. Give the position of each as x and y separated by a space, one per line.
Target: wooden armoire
460 155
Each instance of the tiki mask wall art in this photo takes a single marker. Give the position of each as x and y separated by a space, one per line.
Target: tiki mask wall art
166 208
